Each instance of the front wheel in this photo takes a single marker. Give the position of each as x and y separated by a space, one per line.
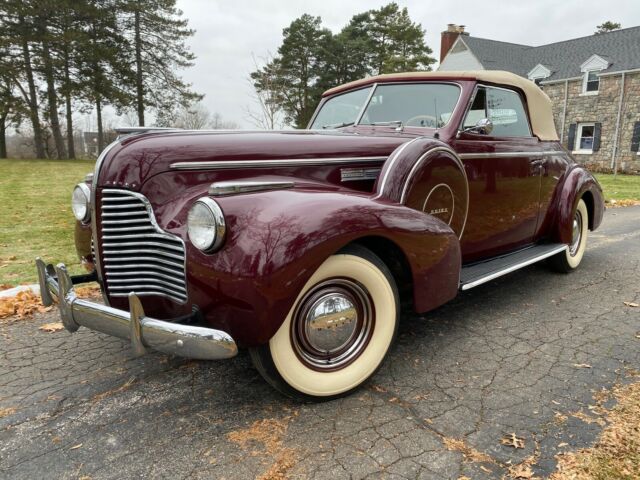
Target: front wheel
569 260
338 331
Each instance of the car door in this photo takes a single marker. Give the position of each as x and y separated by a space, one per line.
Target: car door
503 169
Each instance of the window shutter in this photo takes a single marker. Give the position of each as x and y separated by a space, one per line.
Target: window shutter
635 138
597 129
571 138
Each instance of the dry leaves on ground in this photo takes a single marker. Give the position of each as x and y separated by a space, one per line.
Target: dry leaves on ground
22 305
5 412
622 203
616 454
51 327
88 291
468 452
269 433
5 286
511 440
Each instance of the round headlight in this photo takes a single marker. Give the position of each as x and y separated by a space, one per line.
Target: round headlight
205 225
80 202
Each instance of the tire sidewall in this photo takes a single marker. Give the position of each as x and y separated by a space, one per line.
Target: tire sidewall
380 286
574 260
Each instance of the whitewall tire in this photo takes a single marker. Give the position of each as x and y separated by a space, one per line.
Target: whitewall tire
570 259
338 332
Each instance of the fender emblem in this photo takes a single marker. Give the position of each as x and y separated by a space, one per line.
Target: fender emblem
436 211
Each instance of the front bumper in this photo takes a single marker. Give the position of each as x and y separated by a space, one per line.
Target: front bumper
172 338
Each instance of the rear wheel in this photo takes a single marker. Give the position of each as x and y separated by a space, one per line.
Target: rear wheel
337 333
569 260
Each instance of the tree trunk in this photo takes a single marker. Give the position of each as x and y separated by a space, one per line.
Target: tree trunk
33 98
53 101
71 147
99 118
3 137
139 80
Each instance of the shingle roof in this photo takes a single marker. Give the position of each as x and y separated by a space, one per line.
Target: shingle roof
620 47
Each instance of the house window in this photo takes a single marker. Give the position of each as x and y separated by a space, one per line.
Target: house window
585 137
591 82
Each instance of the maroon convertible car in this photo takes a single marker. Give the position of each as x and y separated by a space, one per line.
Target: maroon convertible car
302 245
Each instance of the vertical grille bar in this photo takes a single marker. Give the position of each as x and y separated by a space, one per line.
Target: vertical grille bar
137 255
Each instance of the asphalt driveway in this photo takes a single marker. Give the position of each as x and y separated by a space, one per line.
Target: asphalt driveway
518 361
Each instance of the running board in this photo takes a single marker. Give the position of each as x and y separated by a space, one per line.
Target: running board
483 272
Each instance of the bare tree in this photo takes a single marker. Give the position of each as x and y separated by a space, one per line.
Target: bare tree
268 113
198 117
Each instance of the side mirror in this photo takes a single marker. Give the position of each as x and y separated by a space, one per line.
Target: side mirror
484 126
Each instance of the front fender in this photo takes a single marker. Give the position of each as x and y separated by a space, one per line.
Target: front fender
276 240
578 183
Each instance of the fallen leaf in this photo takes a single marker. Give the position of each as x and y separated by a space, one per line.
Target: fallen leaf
511 440
378 388
632 304
521 471
485 469
76 446
582 365
563 444
5 412
51 327
22 305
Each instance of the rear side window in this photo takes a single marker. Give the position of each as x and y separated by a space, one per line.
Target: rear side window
504 108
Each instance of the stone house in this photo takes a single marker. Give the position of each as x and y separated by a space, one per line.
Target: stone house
594 83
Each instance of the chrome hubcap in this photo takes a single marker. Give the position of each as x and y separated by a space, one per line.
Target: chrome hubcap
577 234
333 324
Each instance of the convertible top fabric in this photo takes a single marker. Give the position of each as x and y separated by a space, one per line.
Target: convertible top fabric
538 102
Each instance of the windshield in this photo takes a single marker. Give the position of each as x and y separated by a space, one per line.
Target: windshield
427 105
341 110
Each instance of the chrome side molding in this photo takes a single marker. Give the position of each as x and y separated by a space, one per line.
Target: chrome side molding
271 163
219 189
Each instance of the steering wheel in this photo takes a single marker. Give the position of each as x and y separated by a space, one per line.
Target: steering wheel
424 121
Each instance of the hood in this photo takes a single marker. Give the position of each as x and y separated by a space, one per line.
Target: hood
135 159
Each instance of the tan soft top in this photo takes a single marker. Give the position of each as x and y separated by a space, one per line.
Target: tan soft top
538 102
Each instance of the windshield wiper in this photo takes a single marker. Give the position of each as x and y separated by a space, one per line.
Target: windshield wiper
390 122
338 125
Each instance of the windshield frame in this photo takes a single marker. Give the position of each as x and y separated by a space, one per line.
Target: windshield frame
373 88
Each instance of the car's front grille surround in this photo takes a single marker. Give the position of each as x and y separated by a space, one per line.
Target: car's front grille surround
137 255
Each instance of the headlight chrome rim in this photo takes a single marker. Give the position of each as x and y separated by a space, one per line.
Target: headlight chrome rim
86 192
219 226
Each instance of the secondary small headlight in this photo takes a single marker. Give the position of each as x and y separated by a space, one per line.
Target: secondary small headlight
205 225
81 202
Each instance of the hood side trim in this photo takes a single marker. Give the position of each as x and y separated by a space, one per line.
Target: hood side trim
285 162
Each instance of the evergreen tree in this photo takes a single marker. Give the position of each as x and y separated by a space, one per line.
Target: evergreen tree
311 59
157 34
608 26
17 39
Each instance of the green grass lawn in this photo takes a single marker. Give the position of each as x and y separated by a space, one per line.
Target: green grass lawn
35 215
36 218
620 187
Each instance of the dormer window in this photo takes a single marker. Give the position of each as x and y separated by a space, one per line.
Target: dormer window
539 73
591 70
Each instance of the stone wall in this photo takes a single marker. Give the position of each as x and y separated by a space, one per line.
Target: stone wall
602 108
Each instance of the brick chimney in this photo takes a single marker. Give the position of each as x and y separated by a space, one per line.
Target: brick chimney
448 38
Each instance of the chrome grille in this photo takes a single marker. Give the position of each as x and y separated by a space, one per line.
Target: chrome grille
137 255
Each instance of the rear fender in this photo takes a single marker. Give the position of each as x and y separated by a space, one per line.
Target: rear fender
578 184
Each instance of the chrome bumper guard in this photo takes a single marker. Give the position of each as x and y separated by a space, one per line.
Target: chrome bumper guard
172 338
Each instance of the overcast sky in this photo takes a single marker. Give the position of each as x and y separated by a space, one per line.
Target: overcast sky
230 32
